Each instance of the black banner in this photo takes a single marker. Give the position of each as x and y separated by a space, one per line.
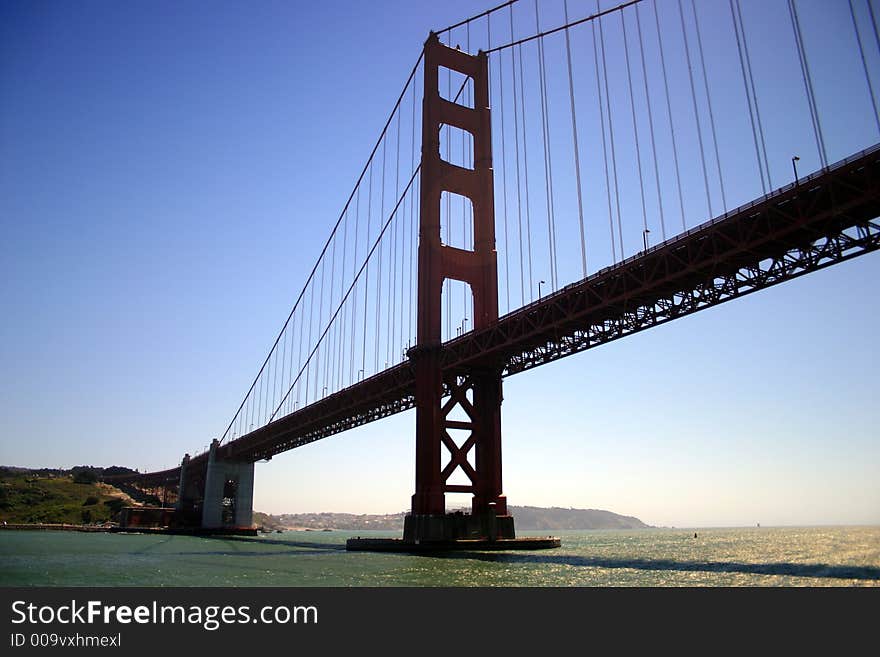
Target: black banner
182 620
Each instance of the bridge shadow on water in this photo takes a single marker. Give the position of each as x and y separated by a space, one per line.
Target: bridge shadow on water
238 546
818 570
294 548
321 547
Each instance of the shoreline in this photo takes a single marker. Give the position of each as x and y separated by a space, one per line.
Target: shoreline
115 529
49 526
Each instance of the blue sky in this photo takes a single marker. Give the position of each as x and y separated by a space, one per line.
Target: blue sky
169 173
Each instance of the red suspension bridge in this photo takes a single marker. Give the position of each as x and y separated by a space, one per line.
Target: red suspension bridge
553 177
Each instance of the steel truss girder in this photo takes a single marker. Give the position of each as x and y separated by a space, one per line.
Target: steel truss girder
830 217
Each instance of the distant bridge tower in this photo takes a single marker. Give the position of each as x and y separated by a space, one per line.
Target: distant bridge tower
475 390
228 492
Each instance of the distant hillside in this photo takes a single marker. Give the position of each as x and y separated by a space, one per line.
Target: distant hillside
346 521
78 496
57 496
527 518
533 517
266 521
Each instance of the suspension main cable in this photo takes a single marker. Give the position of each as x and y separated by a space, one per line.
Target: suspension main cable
541 35
327 243
350 287
467 21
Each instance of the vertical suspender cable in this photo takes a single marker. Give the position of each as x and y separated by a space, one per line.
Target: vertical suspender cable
604 145
808 82
742 66
354 305
392 316
252 398
522 111
309 340
651 124
413 225
320 322
709 104
283 360
577 158
852 13
404 252
260 400
611 135
464 239
335 314
340 378
267 378
687 53
468 161
379 271
548 169
669 114
522 286
745 43
413 256
290 355
275 373
632 105
503 178
292 340
331 353
363 369
299 354
447 283
873 22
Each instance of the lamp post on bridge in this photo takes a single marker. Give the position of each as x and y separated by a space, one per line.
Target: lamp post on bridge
794 160
645 237
540 283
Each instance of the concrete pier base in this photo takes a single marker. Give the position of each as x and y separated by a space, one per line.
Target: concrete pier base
454 531
398 545
229 493
426 528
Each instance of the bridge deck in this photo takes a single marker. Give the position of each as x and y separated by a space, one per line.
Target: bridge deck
826 218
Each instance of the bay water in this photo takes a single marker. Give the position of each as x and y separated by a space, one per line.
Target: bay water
759 556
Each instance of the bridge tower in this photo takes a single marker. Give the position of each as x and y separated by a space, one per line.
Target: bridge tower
477 390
